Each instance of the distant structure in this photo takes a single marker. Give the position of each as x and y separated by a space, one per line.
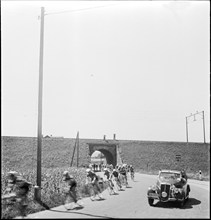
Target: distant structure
50 136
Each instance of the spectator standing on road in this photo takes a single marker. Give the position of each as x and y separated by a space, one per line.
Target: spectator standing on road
18 189
200 175
70 191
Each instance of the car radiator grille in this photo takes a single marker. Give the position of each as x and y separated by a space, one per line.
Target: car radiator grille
165 192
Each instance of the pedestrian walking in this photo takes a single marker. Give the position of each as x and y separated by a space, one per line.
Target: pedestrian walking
71 198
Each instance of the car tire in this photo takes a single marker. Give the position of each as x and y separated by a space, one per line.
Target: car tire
182 203
150 201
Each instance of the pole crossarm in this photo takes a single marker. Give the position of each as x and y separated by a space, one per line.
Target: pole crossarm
194 115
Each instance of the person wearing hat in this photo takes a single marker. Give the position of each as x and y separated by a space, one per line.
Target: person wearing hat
17 190
92 178
70 191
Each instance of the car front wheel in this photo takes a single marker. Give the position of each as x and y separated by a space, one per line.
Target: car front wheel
182 203
150 201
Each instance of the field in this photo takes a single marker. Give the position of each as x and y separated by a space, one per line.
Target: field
19 153
149 157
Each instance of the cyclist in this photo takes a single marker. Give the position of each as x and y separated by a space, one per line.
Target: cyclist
116 175
93 179
132 172
123 173
17 190
108 174
70 191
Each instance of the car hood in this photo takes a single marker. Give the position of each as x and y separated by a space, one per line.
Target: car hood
168 181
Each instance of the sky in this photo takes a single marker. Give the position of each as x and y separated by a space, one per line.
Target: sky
136 69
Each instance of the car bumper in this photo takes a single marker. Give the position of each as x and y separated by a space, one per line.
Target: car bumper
167 200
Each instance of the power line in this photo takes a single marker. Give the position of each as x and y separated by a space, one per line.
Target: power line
83 9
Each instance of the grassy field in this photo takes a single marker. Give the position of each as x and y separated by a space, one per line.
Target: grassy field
146 156
149 157
19 153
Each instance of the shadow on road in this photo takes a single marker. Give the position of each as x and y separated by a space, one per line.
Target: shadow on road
191 201
81 213
172 204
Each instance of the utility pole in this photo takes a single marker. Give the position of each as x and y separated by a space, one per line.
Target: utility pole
74 150
186 128
203 125
39 133
77 149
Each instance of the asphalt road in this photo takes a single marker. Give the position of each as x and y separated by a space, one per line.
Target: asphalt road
132 203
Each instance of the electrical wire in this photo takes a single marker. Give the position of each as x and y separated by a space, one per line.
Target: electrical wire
83 9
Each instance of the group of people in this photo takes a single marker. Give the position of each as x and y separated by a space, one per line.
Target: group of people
98 167
113 178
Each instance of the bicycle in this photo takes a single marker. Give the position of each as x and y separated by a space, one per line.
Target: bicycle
132 176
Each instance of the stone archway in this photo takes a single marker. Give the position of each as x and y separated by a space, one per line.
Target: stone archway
109 151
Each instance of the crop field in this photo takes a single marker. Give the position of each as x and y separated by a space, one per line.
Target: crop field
52 189
19 153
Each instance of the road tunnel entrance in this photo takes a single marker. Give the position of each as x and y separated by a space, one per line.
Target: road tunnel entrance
108 150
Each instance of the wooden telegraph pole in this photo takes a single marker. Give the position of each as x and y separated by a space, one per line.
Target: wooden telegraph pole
77 148
39 133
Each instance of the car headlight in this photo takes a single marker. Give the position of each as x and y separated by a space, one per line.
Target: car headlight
154 188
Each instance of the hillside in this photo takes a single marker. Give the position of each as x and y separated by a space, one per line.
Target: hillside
20 153
151 156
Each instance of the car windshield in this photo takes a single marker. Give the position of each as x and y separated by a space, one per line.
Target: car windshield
168 175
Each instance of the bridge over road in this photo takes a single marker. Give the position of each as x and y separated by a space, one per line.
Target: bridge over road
132 203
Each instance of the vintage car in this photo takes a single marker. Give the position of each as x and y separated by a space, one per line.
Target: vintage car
171 185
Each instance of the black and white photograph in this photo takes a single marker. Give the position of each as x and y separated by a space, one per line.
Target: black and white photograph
105 109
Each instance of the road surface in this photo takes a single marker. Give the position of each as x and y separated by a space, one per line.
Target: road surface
132 203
